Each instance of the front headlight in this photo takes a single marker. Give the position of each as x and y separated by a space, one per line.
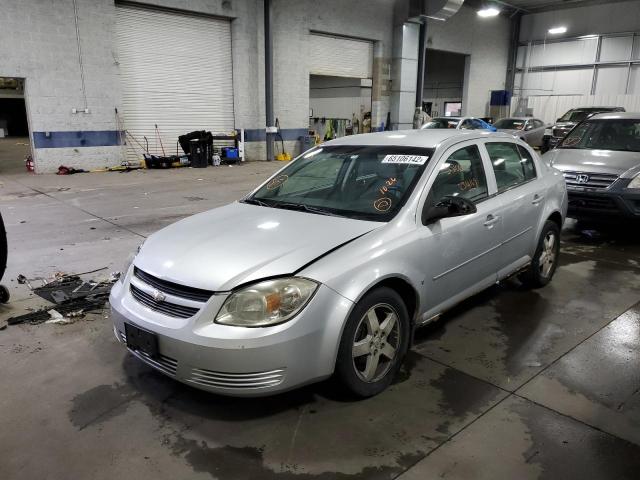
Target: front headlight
266 303
548 132
128 262
635 183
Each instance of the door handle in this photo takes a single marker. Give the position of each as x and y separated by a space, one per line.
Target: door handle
537 198
491 220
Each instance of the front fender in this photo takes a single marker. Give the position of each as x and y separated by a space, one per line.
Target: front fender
356 268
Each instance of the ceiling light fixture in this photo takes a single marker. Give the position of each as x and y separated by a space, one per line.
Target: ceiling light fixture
557 30
488 12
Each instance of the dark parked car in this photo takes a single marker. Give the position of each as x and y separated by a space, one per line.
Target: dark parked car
553 135
4 292
600 161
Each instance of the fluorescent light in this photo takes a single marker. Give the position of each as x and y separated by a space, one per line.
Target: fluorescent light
556 30
488 12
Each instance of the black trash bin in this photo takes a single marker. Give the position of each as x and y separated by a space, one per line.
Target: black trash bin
199 153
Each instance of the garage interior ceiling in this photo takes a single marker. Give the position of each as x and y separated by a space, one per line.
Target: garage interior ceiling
542 5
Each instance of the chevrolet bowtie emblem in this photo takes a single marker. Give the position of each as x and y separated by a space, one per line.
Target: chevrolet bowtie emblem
158 296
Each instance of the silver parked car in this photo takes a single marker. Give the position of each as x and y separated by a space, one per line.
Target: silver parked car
600 160
458 123
531 130
330 264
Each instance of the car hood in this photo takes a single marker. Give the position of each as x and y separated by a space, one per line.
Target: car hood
565 125
239 243
595 161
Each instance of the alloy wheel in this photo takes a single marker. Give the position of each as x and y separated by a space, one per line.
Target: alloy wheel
376 342
548 255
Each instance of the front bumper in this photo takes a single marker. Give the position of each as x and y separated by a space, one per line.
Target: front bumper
618 203
238 361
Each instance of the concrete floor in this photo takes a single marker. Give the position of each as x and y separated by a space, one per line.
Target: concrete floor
511 384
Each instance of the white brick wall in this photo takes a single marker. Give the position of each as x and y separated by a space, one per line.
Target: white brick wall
38 42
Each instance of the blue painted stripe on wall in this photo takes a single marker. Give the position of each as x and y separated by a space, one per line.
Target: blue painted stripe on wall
82 138
110 138
288 134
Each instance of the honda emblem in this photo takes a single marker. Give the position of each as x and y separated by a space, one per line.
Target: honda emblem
582 178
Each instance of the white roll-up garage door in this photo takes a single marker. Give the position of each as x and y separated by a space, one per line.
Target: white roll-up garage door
340 56
176 72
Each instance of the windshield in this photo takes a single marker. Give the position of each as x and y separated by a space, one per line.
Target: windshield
510 124
623 135
442 123
361 182
575 115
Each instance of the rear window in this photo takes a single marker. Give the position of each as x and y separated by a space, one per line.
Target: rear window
442 123
510 124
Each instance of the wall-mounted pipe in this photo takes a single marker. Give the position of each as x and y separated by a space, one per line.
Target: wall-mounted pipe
80 64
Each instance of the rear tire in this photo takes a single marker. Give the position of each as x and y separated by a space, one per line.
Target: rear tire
545 260
374 342
4 294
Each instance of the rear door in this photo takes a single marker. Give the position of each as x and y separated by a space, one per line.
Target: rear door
521 194
461 253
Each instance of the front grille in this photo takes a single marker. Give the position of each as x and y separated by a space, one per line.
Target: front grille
209 378
164 364
561 132
182 291
592 203
593 180
171 309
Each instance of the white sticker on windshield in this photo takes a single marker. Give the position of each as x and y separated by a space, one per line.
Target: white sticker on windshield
406 159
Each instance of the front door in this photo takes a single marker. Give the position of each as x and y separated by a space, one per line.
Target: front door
461 253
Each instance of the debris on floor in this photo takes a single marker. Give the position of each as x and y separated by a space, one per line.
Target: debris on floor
70 296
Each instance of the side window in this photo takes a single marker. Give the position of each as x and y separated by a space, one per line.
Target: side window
527 163
511 167
538 124
466 125
462 174
476 124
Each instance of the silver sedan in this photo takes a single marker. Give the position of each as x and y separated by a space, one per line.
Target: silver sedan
328 266
531 130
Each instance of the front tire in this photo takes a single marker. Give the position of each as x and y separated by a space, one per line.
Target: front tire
545 260
373 344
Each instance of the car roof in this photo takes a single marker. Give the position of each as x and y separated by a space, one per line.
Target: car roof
615 115
593 109
430 138
519 118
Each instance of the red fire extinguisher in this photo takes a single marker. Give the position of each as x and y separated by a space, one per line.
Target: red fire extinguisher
31 167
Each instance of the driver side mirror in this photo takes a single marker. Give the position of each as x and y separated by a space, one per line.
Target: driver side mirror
448 206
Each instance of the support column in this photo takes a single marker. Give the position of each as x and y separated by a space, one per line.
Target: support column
268 79
422 51
404 72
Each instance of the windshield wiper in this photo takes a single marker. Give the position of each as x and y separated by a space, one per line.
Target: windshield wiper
255 201
303 208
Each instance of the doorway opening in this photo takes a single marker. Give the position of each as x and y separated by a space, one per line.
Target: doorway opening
443 83
339 106
14 126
